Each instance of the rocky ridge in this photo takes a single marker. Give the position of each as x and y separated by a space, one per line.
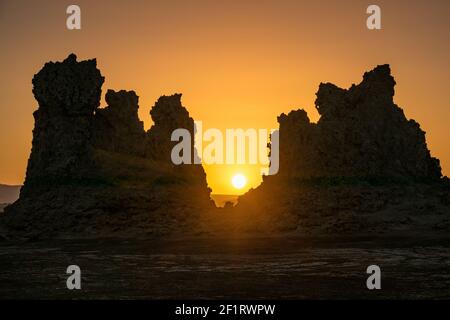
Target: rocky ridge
95 172
362 169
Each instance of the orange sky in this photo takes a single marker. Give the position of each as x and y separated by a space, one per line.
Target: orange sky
237 63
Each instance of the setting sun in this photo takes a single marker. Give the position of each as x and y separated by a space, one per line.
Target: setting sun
239 181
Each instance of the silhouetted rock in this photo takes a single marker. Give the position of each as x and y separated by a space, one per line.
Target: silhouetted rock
117 127
95 172
363 168
68 94
168 114
361 133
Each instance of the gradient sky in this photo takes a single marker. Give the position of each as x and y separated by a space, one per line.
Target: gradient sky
238 63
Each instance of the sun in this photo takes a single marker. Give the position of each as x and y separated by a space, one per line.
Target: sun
239 181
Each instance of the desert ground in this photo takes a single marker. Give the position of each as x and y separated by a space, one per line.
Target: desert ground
239 268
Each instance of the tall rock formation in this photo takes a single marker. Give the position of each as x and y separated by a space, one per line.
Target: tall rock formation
361 133
117 127
362 168
68 94
95 172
